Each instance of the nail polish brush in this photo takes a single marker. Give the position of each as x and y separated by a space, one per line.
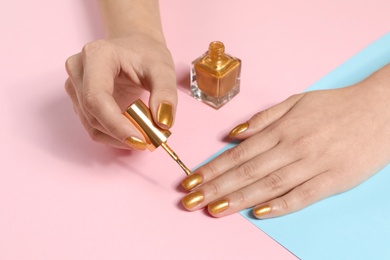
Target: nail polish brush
139 114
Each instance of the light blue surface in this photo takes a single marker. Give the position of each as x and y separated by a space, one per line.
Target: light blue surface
352 225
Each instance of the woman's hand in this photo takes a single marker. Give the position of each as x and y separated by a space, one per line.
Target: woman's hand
108 75
311 146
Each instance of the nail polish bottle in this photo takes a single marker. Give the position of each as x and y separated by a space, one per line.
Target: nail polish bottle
215 76
140 116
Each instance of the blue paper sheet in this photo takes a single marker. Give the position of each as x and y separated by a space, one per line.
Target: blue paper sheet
351 225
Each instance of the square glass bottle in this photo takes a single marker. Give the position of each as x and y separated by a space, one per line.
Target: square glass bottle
215 76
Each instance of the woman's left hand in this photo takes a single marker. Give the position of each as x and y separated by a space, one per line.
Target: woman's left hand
310 146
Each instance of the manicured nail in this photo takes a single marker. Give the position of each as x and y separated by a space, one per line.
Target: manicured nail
192 199
239 129
218 206
165 114
192 181
135 143
261 211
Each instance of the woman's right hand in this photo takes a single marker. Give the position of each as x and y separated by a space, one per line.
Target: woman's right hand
107 75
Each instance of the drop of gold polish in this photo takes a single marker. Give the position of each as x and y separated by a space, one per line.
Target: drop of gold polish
239 129
218 206
262 210
192 181
165 114
192 199
136 143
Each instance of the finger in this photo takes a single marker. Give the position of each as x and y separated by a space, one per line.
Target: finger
74 87
69 88
231 158
274 184
246 175
94 133
263 119
101 66
300 197
163 93
74 68
103 138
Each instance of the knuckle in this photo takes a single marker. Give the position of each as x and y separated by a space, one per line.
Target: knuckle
262 118
273 182
241 197
235 154
68 64
90 102
284 205
307 195
94 134
68 86
167 91
95 48
302 142
112 129
297 96
213 189
93 122
247 171
211 170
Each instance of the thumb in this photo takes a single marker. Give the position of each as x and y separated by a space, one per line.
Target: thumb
264 118
163 94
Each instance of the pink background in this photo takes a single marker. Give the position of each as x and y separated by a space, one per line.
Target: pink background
64 197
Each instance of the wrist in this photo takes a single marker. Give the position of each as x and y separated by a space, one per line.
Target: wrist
134 30
127 17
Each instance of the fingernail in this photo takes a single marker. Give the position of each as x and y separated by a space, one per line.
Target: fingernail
192 199
239 129
261 211
218 206
192 181
165 114
135 143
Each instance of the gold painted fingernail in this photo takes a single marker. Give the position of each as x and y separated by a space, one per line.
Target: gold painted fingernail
192 181
218 206
239 129
165 114
135 143
192 199
261 211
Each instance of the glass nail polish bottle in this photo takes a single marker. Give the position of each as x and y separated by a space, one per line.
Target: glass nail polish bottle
215 76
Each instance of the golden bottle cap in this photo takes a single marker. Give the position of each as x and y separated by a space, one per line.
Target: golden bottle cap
139 114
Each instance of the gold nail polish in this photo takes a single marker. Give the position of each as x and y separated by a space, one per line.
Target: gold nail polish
192 181
136 143
165 114
239 129
218 206
192 199
139 115
215 76
262 210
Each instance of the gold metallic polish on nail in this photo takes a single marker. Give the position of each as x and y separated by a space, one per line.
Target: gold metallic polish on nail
218 206
165 114
192 199
192 181
262 210
136 143
239 129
